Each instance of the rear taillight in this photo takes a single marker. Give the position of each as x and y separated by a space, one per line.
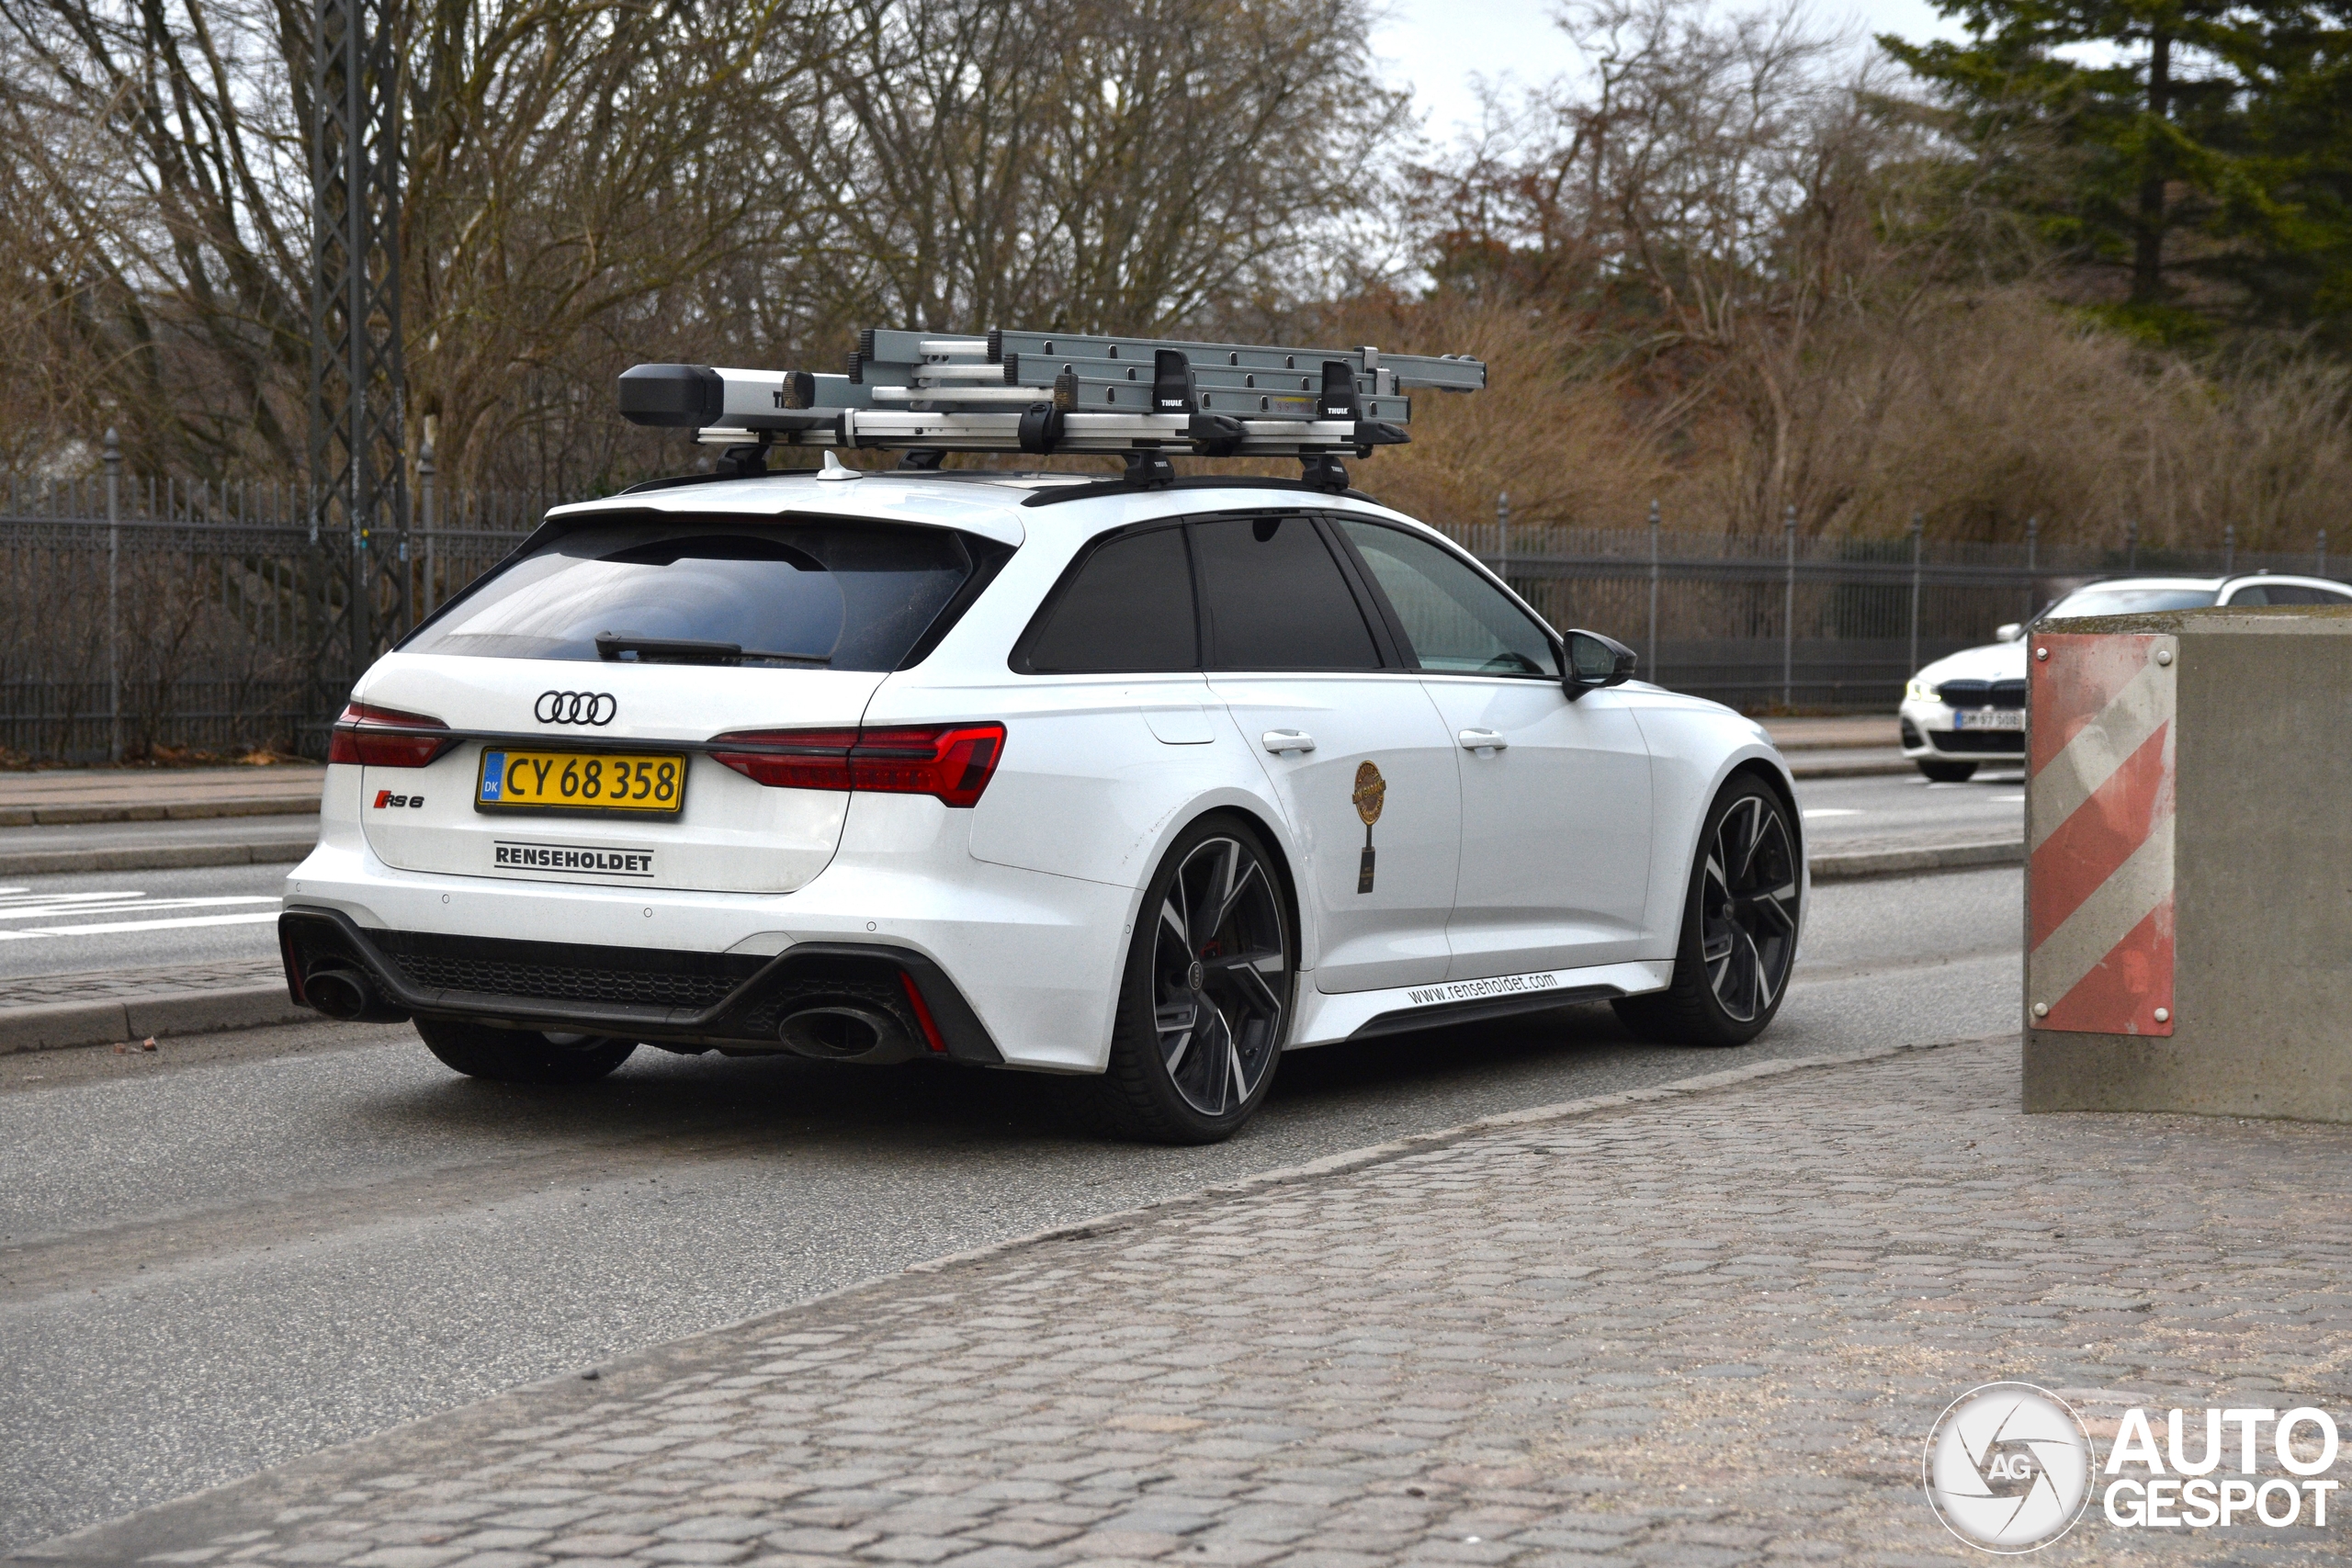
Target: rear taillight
950 762
386 737
954 763
791 758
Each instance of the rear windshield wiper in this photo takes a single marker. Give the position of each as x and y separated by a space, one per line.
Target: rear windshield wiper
611 646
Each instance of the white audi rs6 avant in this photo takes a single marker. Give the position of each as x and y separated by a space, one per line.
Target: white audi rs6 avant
1148 783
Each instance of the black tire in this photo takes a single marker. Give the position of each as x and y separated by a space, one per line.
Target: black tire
520 1055
1947 772
1739 928
1206 997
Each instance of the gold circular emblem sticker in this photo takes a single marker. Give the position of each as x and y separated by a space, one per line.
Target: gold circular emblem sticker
1371 790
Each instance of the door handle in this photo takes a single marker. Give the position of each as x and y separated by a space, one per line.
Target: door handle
1281 741
1482 740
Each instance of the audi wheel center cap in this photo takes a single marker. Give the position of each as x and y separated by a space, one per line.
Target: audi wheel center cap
2009 1467
1197 974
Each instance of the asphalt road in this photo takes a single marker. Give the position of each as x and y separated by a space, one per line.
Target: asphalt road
60 924
56 925
1905 809
247 1247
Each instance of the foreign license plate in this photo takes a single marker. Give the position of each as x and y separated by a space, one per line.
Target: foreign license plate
640 783
1989 718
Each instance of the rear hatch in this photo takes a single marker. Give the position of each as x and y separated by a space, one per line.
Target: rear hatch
577 681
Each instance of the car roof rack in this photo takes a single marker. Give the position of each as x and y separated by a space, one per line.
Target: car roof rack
1143 399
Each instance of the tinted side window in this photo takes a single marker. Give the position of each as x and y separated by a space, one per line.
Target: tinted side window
1128 608
1277 599
1458 622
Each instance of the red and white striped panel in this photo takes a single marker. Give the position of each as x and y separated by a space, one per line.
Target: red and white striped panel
2099 769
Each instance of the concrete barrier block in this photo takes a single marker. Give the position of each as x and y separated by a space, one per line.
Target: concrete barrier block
2189 890
57 1024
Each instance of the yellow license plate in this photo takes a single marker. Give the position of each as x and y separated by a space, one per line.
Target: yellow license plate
647 784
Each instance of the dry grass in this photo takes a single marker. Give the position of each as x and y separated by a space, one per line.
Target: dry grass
1977 411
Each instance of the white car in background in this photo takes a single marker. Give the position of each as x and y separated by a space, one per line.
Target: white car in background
1151 782
1967 710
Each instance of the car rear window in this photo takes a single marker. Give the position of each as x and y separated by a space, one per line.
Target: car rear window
849 596
2284 594
2129 601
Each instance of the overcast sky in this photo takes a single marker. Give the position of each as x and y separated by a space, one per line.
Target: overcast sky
1438 45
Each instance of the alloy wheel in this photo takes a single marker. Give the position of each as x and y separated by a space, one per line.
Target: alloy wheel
1748 903
1220 976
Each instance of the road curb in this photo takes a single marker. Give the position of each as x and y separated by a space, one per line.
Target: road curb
152 857
1798 768
159 811
1864 864
52 1026
48 1026
145 1532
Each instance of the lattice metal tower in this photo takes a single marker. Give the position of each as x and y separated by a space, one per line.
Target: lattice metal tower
358 470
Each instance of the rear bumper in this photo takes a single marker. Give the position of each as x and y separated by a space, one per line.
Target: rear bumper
650 994
1035 958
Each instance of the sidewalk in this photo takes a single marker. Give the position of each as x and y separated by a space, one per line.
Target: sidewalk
1661 1327
64 795
84 820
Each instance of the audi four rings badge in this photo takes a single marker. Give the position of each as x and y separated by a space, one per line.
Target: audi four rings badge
576 707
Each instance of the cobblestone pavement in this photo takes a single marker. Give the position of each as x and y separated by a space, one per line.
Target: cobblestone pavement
162 979
1679 1328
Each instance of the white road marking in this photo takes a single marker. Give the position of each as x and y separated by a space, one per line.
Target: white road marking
1833 811
23 904
11 897
134 906
111 926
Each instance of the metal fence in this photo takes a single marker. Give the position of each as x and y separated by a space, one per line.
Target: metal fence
140 614
1795 623
143 615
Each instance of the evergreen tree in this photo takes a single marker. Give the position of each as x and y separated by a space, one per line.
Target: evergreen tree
2203 148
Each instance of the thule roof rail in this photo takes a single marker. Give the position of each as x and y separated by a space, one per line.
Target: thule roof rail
1046 393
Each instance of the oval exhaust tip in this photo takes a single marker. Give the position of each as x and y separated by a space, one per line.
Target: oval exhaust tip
338 993
836 1031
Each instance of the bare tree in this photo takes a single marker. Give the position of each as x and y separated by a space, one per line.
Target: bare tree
152 232
1090 164
571 167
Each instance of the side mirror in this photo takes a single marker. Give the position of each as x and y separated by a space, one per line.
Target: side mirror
1594 662
2009 632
